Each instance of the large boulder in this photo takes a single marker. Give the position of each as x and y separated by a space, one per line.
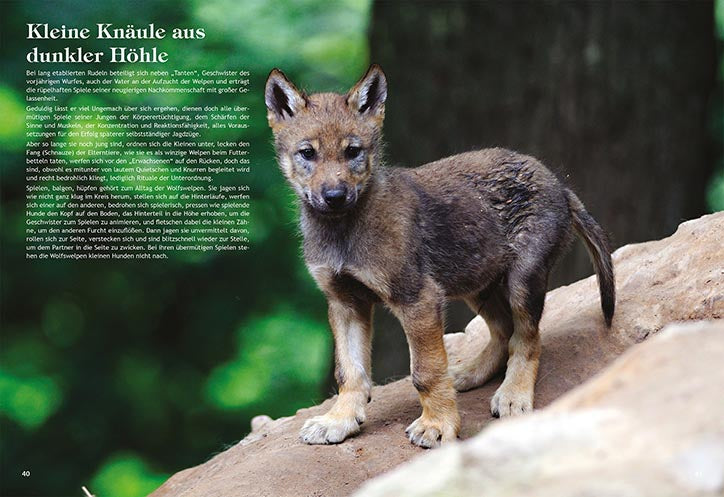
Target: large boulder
651 424
680 278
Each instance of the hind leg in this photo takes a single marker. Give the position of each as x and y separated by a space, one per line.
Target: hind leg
494 308
527 289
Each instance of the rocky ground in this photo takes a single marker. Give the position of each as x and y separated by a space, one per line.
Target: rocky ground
651 423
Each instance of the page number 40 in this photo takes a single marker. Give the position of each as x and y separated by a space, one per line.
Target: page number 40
25 473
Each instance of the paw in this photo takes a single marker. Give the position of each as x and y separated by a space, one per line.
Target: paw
429 433
328 429
509 401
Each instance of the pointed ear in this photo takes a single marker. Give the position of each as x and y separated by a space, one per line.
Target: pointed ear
369 94
282 98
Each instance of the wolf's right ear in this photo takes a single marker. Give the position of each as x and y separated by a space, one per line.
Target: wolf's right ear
282 98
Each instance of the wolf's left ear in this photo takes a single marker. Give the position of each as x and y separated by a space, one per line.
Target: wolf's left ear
369 94
282 98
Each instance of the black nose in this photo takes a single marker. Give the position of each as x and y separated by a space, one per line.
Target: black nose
335 197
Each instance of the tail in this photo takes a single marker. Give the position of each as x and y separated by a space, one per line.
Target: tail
599 250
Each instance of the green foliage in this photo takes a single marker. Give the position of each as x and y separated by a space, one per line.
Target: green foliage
278 353
29 401
12 123
115 375
125 475
62 322
715 192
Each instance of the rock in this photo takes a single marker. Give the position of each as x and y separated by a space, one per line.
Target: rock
680 278
651 424
258 422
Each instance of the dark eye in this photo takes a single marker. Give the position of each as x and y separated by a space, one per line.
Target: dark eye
352 152
308 153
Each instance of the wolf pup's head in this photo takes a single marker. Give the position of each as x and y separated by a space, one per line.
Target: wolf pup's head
327 144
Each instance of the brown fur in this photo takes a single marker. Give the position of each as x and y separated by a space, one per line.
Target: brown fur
483 226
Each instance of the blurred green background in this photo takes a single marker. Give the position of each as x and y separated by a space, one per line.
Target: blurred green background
116 375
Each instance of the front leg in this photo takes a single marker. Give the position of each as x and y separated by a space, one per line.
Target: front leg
423 324
351 322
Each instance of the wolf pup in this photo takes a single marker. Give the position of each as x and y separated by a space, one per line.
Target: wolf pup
483 226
